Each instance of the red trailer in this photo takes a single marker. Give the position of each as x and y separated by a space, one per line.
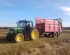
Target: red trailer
51 27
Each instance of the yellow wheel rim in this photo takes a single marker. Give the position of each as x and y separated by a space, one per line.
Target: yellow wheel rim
34 34
19 37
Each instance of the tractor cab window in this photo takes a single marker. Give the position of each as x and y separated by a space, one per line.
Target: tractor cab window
29 24
21 24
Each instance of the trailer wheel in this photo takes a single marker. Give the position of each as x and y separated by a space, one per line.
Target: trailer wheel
58 34
19 37
54 35
34 34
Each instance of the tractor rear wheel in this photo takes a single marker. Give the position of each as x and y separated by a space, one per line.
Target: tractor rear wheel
19 37
34 34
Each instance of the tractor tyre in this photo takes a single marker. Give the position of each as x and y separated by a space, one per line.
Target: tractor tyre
19 37
34 34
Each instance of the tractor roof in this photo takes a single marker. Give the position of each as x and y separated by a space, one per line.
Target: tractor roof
24 21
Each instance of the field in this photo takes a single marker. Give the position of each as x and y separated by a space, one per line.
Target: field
41 46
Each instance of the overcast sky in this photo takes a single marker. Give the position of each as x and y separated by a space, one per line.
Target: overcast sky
14 10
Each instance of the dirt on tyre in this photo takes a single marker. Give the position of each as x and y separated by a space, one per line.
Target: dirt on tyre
19 37
34 34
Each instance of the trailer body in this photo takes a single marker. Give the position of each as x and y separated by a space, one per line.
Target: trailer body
45 25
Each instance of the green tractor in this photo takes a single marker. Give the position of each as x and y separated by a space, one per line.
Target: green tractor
23 30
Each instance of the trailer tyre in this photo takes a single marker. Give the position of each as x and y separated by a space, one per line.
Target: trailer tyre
19 37
54 35
58 34
34 34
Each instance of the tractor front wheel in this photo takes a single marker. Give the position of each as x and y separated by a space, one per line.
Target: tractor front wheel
19 37
34 34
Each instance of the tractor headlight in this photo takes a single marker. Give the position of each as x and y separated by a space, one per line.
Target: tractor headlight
11 31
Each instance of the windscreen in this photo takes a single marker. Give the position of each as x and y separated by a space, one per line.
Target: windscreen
21 24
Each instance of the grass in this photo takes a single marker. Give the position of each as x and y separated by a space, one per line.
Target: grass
28 47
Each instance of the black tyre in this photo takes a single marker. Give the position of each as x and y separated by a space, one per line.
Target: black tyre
58 34
54 34
19 37
34 34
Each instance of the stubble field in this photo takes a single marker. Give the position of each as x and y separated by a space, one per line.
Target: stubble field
41 46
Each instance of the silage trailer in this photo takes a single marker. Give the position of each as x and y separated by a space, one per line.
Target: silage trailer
50 27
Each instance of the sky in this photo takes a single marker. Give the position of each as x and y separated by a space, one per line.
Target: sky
13 10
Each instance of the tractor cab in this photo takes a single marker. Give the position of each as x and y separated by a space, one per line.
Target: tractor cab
24 23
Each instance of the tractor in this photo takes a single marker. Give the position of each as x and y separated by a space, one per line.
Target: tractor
23 30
